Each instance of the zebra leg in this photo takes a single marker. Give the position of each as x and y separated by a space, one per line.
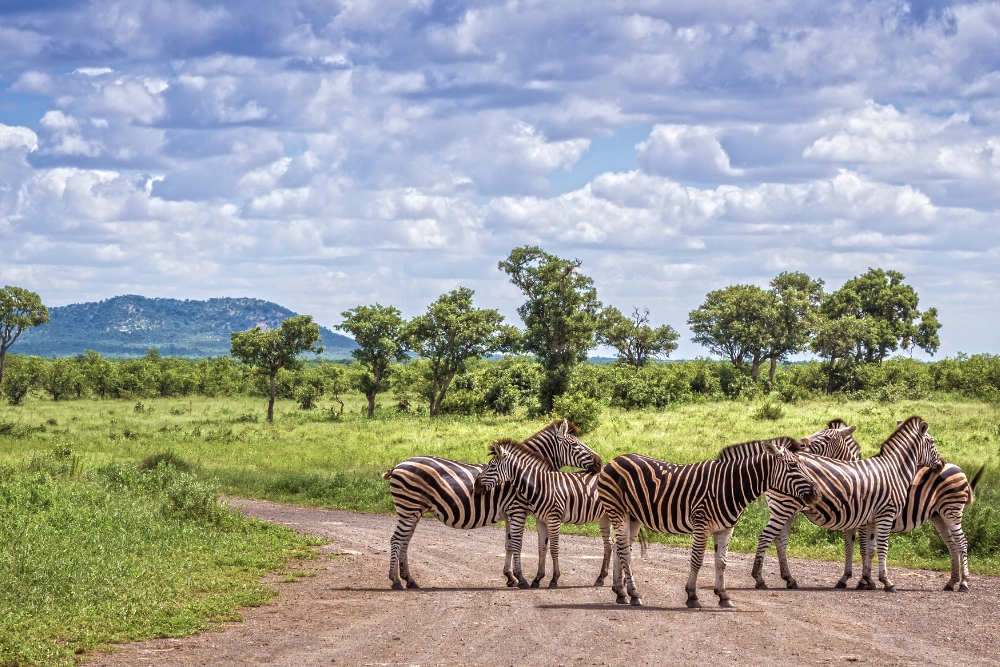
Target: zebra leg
621 544
867 540
633 531
554 550
398 547
721 539
773 528
543 547
883 526
848 559
515 537
947 534
606 538
782 545
698 543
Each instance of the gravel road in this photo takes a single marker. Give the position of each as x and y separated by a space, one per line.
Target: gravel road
464 615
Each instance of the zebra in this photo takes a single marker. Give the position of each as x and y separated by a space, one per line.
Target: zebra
553 497
941 499
445 488
702 499
833 442
870 493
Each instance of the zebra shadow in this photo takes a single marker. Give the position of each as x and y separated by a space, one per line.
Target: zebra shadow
451 589
609 606
826 589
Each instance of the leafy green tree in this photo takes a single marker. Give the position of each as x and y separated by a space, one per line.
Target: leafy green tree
378 331
270 351
734 322
335 381
835 340
887 313
60 377
99 374
560 315
449 334
791 316
635 340
23 374
19 310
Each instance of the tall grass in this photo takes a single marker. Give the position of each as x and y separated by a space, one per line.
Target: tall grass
92 556
314 457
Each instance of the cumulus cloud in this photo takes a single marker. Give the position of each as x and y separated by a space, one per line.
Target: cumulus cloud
394 151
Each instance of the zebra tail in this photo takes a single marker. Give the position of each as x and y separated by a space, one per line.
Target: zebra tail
643 541
975 480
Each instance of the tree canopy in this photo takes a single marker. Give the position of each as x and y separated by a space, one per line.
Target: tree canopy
736 322
378 331
270 351
636 341
560 315
20 309
450 333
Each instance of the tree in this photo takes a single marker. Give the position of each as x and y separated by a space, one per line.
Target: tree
835 340
378 331
270 351
449 334
796 298
335 381
735 322
99 373
560 315
635 340
60 377
19 310
23 375
886 309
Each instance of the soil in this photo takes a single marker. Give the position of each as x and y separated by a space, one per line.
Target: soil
465 615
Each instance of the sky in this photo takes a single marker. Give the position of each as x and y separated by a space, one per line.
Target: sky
325 154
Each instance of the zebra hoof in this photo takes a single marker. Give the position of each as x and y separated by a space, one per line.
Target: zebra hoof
599 582
512 584
890 589
412 584
636 601
949 587
534 584
525 584
863 586
792 584
840 584
397 586
727 604
761 586
553 584
621 600
693 604
963 589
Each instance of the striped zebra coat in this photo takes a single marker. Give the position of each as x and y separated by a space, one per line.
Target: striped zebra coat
870 493
940 498
553 497
445 488
702 499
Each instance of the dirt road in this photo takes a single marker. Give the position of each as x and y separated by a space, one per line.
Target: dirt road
464 615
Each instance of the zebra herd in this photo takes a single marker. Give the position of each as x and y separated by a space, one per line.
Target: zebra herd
821 476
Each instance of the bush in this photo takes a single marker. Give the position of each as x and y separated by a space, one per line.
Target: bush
582 411
463 402
768 411
168 458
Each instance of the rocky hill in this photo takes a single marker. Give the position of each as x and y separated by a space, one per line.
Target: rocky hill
126 326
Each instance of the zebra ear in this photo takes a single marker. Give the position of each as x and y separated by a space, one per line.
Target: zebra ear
564 428
847 430
806 443
773 448
899 422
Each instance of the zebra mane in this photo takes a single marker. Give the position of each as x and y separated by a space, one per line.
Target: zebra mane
745 449
836 423
494 448
898 436
572 427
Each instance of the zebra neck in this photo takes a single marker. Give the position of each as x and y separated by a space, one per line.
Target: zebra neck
525 475
903 455
754 473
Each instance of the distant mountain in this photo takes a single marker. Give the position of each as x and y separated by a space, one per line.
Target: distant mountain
127 326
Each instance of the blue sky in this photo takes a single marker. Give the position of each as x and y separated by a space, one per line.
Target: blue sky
327 154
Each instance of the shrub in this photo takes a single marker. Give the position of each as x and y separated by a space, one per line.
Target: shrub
168 458
582 411
463 402
768 411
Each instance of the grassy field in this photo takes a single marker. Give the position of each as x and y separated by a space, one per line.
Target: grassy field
314 457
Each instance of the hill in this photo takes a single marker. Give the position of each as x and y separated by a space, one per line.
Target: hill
127 326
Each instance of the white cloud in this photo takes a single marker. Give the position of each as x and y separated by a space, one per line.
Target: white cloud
688 152
14 138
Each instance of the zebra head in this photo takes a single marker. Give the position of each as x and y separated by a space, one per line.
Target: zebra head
916 428
559 443
786 475
498 471
834 442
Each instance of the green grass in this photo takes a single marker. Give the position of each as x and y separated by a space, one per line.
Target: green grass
93 556
314 458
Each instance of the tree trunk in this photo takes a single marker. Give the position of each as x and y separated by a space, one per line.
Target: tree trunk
755 367
3 362
436 403
774 365
270 400
829 377
371 403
